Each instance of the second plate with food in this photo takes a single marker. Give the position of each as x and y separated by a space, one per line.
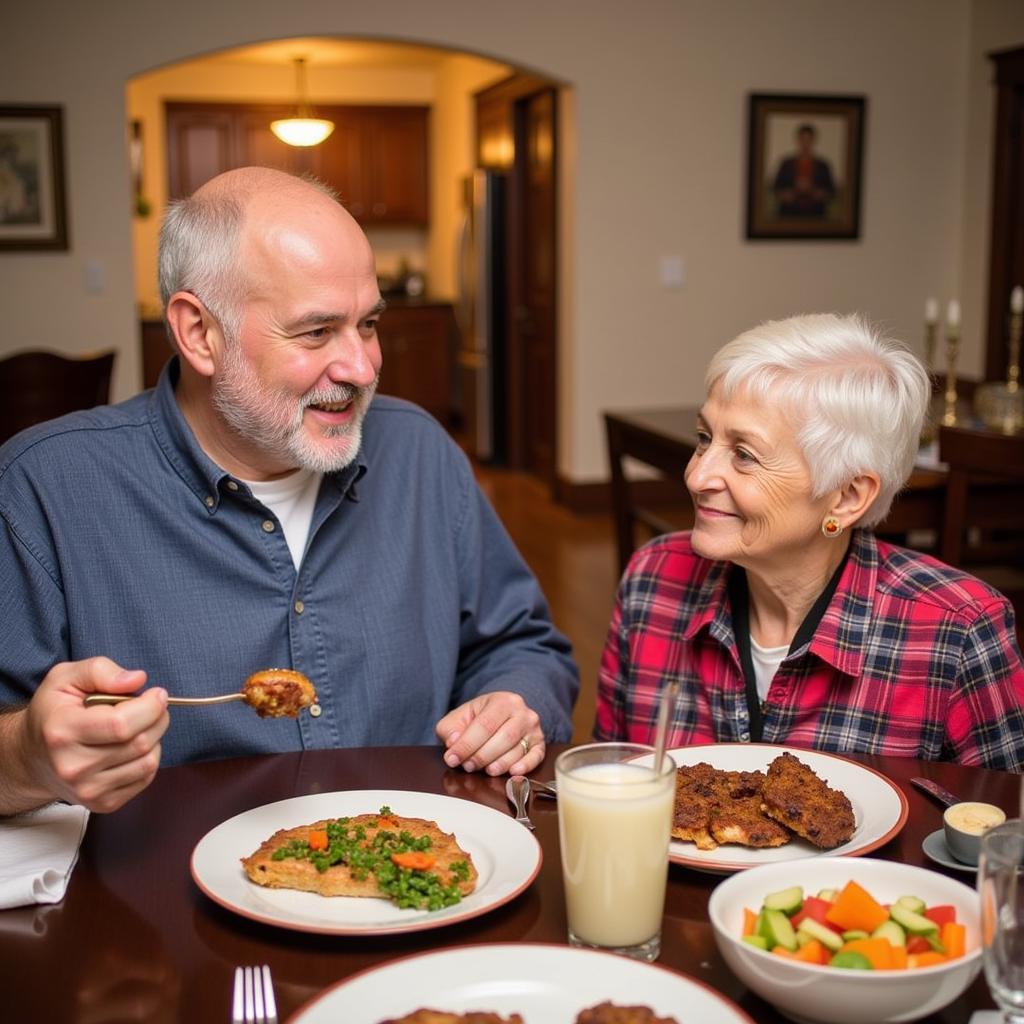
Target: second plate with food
506 855
541 983
879 806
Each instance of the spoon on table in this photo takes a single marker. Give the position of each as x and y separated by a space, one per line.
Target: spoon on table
271 692
517 789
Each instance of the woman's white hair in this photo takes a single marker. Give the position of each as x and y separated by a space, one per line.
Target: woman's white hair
857 399
198 251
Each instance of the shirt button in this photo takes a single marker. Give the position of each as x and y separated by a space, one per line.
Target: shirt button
208 501
299 607
232 486
268 526
315 710
745 737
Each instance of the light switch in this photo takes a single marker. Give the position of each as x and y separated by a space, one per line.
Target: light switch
95 277
673 272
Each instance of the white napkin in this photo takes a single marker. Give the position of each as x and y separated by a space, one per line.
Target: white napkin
38 849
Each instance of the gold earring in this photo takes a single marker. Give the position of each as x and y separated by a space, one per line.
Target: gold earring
831 526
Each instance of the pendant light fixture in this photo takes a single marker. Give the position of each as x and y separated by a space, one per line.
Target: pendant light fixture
303 129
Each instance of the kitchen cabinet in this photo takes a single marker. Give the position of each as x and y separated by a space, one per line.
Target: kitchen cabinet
418 341
376 157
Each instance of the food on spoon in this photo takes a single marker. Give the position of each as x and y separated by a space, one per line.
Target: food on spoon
278 692
794 796
409 861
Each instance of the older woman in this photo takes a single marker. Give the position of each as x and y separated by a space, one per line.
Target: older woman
780 614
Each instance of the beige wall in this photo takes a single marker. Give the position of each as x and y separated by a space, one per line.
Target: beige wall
657 161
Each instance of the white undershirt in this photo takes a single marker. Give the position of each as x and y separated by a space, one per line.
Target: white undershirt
291 499
766 663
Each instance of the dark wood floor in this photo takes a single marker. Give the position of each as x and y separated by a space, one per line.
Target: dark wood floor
573 557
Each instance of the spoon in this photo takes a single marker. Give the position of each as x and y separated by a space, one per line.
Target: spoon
517 789
271 692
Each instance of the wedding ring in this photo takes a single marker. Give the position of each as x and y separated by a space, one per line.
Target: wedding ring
525 744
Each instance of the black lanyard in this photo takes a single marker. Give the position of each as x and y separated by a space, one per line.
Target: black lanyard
739 599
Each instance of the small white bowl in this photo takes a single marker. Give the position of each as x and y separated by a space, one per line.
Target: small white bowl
965 823
830 995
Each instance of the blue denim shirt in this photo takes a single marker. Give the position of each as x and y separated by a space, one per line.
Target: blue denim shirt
122 538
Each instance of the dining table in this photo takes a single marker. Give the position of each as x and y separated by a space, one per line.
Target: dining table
135 938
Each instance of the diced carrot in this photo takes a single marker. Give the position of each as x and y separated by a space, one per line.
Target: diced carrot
878 951
856 909
954 938
414 859
899 958
318 839
812 952
749 921
783 952
928 959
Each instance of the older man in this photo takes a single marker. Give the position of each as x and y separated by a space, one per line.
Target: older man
256 510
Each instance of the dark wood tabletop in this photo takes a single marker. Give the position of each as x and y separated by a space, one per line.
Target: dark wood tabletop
135 939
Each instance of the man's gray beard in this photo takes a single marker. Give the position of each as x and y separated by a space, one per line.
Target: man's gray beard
261 416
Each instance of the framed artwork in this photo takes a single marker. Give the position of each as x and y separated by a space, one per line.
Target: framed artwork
804 166
32 214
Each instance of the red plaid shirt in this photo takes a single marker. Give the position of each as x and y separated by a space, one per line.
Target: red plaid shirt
910 658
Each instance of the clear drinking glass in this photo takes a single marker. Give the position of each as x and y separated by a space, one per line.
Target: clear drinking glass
614 823
1001 885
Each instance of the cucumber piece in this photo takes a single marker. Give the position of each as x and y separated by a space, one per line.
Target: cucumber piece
936 943
828 895
757 941
776 928
855 933
912 903
851 960
789 901
913 923
892 931
828 938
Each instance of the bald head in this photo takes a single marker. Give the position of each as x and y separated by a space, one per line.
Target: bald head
208 240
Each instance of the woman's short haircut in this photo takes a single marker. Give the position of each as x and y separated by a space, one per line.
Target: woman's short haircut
198 252
856 399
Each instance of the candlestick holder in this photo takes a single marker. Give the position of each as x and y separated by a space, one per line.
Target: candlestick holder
929 346
1001 406
952 348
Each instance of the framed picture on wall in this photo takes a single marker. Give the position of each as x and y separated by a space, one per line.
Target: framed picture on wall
32 214
804 166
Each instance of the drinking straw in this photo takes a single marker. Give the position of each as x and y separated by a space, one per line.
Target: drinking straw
669 696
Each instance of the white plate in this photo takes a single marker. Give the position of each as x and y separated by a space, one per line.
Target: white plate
879 806
541 983
935 848
506 856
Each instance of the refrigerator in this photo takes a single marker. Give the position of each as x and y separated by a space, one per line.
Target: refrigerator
480 308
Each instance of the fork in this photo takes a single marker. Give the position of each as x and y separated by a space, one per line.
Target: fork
253 1000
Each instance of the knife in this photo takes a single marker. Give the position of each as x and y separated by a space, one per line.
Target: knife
934 789
517 789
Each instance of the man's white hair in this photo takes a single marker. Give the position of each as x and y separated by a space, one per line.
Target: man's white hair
856 399
198 251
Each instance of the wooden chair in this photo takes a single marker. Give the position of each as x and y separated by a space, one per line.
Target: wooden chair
985 458
37 386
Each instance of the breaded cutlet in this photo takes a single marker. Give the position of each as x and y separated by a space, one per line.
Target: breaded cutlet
715 806
794 796
438 1017
609 1013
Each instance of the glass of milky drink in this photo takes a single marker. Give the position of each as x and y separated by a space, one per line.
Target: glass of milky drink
614 819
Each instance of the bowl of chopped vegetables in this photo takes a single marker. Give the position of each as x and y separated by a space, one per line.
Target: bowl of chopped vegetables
837 940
